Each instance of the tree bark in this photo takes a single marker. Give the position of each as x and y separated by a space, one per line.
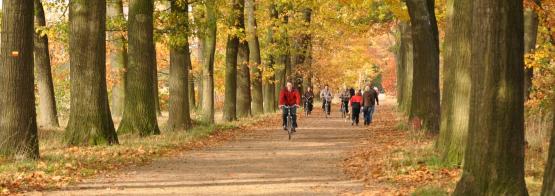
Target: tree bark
456 83
549 174
269 72
530 36
118 55
48 115
18 127
408 62
180 60
243 81
208 62
230 107
191 89
494 156
90 121
255 60
139 115
284 59
425 98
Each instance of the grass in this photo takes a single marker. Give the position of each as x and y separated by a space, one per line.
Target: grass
430 191
60 165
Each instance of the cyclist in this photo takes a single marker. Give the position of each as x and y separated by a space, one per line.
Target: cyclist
369 100
356 104
326 96
289 97
345 97
309 99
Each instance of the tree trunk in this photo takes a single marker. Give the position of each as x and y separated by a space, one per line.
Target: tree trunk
530 35
407 56
90 121
139 115
180 61
549 174
47 116
155 85
494 156
208 62
304 42
191 88
425 99
399 61
230 107
243 81
269 80
18 127
284 60
118 55
254 58
456 83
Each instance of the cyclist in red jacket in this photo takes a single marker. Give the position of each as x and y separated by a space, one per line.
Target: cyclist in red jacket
289 97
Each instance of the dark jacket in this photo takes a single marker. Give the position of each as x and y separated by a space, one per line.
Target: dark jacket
370 98
309 95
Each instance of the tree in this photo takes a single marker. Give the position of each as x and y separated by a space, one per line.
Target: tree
139 115
90 121
243 71
425 89
118 54
18 127
180 61
47 116
530 36
305 42
255 60
283 66
208 62
494 156
230 107
269 72
456 82
549 175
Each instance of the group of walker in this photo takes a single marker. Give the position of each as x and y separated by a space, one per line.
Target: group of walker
290 98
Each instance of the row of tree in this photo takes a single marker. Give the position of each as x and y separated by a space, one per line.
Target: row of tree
250 83
481 118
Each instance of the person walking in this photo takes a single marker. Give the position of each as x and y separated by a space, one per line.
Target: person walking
356 104
369 101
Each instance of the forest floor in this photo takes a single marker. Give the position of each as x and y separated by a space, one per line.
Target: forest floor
327 156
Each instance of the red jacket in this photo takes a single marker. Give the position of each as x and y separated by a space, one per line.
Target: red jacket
356 99
289 98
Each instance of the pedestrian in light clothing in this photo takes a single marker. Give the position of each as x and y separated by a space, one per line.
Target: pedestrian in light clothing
369 102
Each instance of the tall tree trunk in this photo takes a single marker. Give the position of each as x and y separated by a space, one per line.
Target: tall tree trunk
118 55
407 56
139 115
425 98
47 116
530 36
243 81
399 61
230 107
254 58
208 62
268 81
191 88
305 42
180 61
155 86
549 174
90 121
456 83
243 71
284 60
18 127
494 156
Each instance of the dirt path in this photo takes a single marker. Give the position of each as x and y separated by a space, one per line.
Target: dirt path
262 163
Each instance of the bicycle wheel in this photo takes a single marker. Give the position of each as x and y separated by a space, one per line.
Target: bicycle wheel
289 126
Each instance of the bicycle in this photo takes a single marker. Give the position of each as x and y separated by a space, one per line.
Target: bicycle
306 106
344 110
326 108
289 125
